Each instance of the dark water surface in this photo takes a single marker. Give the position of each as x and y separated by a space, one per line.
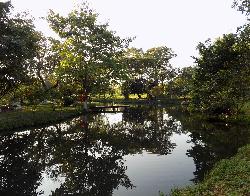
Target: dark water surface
139 152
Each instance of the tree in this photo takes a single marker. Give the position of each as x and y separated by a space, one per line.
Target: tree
242 5
88 50
145 71
221 80
136 86
134 81
134 62
158 66
18 42
181 85
45 62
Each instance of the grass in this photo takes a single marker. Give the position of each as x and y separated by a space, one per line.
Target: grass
229 177
246 113
34 117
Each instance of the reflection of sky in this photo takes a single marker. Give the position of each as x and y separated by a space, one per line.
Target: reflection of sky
113 118
151 173
49 184
148 172
167 117
63 127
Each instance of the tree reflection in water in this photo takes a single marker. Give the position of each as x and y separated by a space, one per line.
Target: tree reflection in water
211 141
87 151
20 174
214 144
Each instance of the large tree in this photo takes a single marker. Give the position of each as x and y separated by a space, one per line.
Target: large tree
18 42
134 62
221 81
147 70
45 62
158 64
88 50
181 85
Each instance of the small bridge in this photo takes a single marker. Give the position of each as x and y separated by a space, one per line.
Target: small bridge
108 109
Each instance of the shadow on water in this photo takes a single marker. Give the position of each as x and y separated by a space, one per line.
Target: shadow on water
211 142
85 156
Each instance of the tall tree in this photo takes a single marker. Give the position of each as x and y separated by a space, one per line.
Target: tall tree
45 62
181 85
88 49
221 81
158 66
146 70
133 59
18 42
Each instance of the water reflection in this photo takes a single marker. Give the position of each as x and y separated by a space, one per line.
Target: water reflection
214 144
98 154
211 141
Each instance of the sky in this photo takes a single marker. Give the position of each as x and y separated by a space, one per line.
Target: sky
177 24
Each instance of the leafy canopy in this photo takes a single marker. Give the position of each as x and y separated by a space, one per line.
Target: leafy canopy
88 50
221 81
18 43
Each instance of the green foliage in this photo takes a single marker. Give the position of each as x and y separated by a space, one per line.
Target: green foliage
229 177
141 86
161 193
137 86
152 65
158 67
146 70
46 61
133 63
18 42
156 91
88 50
182 84
221 80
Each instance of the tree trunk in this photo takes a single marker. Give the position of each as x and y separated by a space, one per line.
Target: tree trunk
85 105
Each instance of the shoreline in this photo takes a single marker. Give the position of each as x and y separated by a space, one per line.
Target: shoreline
27 119
228 177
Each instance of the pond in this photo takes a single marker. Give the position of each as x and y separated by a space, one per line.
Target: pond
138 152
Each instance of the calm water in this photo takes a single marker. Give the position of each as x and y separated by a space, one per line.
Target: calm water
139 152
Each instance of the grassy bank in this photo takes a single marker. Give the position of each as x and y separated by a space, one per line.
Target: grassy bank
229 177
35 117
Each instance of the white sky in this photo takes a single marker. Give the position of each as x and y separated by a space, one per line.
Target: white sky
178 24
